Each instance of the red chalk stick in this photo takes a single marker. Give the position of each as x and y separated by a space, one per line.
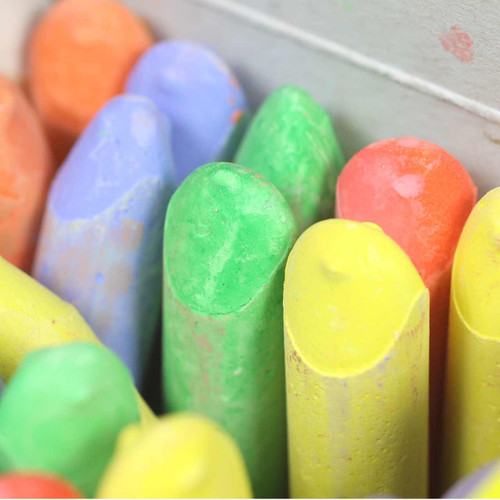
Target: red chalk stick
35 485
421 196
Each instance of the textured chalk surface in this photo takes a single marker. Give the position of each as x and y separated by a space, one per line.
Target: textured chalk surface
201 97
101 239
26 171
472 397
356 349
79 56
420 195
292 143
63 410
180 456
228 232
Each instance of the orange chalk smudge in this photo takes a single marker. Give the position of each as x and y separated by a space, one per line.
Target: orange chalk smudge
235 118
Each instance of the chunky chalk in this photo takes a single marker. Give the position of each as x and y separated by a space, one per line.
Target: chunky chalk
35 485
483 483
420 196
78 58
292 143
472 396
63 410
101 239
200 96
356 348
201 461
228 232
27 169
32 318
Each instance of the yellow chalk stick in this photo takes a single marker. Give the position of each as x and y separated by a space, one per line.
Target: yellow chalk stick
472 395
356 347
31 317
181 456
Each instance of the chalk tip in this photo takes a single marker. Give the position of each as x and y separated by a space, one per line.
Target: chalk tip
227 231
126 143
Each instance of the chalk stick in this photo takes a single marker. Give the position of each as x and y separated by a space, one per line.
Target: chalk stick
32 317
36 485
291 142
201 459
27 169
228 232
484 482
472 396
201 97
420 195
79 55
62 412
356 349
101 239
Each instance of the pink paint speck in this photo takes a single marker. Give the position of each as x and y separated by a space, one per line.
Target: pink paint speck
459 43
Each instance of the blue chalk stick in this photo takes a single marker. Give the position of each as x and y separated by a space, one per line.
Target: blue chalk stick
202 98
101 238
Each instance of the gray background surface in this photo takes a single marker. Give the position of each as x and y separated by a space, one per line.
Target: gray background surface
380 67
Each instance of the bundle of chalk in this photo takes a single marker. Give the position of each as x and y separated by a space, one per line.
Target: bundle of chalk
301 355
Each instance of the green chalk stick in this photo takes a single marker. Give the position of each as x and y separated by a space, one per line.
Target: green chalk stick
292 143
63 410
228 232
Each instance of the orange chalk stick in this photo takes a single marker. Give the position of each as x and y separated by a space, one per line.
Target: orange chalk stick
79 56
421 196
26 169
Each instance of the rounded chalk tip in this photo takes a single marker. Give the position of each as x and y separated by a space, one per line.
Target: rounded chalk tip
398 183
349 290
126 143
196 89
227 231
201 459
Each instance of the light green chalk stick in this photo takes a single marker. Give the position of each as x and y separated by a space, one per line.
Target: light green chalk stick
292 143
62 411
228 233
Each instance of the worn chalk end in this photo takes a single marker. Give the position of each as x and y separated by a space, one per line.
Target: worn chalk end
349 289
63 402
227 230
399 184
201 459
126 143
292 143
79 55
198 92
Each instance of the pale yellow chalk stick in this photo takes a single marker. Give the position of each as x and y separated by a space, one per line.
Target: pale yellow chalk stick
472 396
32 317
180 456
356 346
